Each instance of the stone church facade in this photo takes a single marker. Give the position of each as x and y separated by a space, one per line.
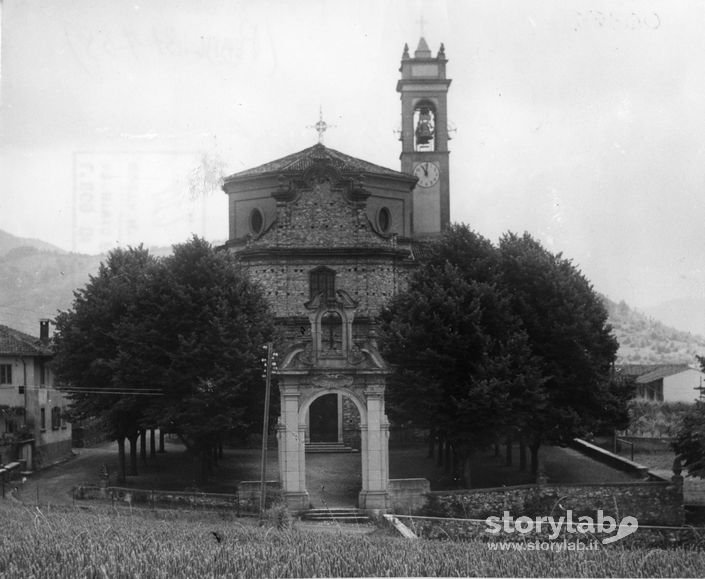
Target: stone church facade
330 238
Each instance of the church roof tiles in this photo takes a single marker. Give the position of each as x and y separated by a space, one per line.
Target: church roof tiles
299 162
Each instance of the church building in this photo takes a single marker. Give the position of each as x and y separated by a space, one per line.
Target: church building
331 238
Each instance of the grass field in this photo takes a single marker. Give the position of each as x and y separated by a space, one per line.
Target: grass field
55 543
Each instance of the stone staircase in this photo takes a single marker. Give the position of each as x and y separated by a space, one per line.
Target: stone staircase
318 447
335 514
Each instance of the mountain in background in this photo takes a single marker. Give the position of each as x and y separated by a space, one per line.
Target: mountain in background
644 340
686 313
9 242
38 279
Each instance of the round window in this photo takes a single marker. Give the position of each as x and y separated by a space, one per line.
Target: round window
384 220
256 221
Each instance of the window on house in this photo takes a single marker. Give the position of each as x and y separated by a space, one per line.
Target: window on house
322 281
5 373
43 419
654 391
55 418
42 374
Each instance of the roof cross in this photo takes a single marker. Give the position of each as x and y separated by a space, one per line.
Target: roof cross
321 126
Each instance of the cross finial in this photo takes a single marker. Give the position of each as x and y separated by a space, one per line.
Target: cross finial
421 22
321 126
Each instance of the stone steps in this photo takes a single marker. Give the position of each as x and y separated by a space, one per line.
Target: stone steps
336 514
327 447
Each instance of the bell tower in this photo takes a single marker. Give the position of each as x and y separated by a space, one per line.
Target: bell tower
424 136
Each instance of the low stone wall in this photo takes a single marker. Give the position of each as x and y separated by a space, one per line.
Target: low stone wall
407 495
245 501
249 493
651 502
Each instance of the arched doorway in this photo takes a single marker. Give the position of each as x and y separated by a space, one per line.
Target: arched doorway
333 464
324 419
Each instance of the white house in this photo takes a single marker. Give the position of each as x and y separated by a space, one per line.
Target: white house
32 425
666 382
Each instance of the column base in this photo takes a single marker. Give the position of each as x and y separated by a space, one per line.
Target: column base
297 501
373 500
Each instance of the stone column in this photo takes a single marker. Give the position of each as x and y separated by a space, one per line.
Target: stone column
292 451
374 493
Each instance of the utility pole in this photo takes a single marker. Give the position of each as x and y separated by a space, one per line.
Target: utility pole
269 363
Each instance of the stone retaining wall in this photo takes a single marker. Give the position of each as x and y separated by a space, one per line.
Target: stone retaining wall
652 503
407 495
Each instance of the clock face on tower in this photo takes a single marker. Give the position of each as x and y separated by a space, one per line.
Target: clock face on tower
427 173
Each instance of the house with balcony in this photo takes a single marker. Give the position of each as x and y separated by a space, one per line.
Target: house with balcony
32 424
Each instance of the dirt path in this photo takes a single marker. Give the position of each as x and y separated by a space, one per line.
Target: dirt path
55 484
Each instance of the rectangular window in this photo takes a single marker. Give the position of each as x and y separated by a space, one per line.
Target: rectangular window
322 281
55 418
43 419
5 373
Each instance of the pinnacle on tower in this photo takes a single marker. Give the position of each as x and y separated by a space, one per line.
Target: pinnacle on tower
422 50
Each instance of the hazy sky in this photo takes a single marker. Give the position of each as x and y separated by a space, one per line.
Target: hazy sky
581 122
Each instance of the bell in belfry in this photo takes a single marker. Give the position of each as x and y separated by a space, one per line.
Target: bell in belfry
424 128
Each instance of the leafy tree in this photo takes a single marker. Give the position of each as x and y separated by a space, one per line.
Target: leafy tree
87 347
190 326
209 323
489 341
566 324
463 365
690 440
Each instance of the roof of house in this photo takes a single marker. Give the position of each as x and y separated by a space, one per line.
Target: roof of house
16 343
299 162
645 373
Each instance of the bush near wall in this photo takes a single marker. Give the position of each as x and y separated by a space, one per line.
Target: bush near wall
655 419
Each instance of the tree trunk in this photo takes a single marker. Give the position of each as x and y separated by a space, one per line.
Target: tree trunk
205 456
509 450
448 457
466 471
152 443
431 443
161 440
121 459
522 453
133 454
143 445
534 447
439 456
